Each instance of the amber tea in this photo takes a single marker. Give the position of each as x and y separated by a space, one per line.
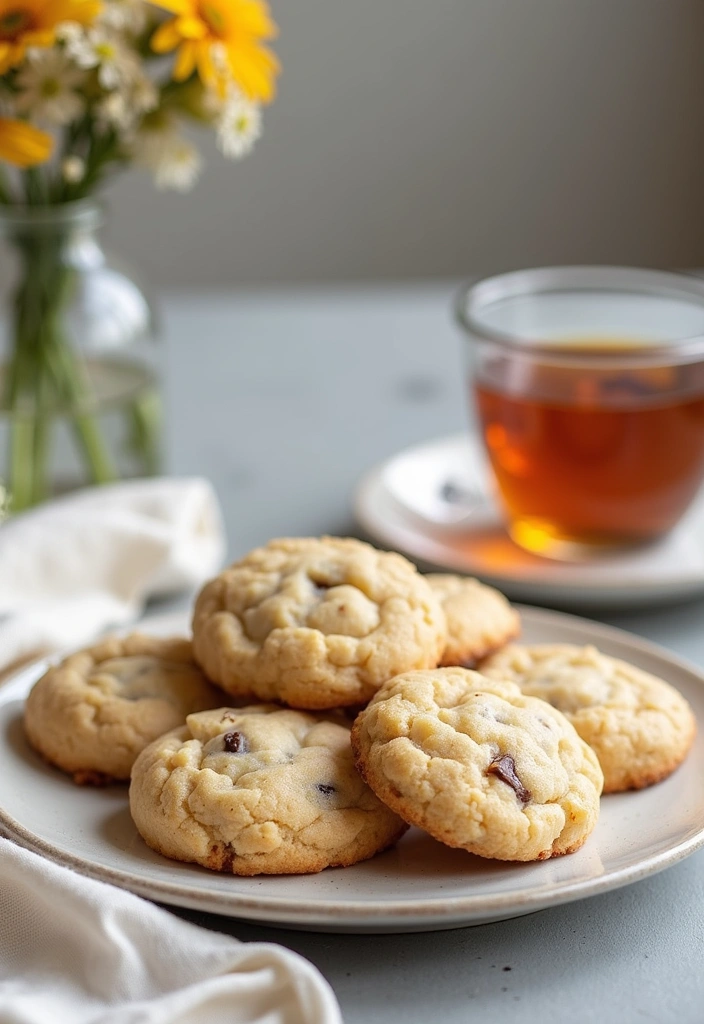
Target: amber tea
593 457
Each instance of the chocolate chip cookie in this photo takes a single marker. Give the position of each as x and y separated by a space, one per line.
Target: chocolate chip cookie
479 619
479 765
94 712
640 727
258 790
316 623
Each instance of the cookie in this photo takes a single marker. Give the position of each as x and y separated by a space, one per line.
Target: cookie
316 623
258 790
640 727
95 711
479 619
479 765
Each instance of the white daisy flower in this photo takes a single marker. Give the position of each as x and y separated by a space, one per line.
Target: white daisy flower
73 169
144 95
67 31
113 111
173 161
102 49
239 125
124 15
47 87
123 108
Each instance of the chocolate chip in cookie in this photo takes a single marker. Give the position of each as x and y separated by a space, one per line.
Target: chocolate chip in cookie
446 748
235 743
504 768
293 804
640 727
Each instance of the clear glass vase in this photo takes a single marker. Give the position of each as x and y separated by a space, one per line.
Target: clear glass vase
79 382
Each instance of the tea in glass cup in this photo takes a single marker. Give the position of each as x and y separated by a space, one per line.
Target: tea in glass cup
588 383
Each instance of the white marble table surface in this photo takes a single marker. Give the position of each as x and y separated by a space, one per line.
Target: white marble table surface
283 399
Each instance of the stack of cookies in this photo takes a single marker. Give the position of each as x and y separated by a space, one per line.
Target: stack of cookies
329 698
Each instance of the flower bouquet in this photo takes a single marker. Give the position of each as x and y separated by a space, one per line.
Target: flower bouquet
87 88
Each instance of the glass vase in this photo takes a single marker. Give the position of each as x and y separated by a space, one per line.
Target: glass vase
79 387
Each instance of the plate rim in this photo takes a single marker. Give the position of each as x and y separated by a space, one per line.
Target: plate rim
566 577
348 913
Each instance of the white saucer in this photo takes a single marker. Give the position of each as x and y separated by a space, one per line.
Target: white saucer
433 503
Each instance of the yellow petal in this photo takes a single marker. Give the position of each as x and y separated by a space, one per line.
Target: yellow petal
254 69
90 10
165 38
176 6
39 37
185 61
12 56
5 57
253 16
191 28
86 11
206 68
82 11
22 144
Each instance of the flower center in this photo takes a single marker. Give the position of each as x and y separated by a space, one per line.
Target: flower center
105 51
212 15
14 22
50 87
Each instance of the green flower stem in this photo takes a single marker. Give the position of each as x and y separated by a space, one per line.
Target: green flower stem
45 377
21 472
35 191
146 430
42 428
20 480
5 190
76 394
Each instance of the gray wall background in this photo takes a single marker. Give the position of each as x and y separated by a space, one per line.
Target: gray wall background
417 138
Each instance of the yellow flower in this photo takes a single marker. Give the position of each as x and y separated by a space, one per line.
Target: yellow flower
22 144
26 23
221 39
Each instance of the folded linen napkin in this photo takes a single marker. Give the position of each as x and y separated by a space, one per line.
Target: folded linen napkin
77 950
75 566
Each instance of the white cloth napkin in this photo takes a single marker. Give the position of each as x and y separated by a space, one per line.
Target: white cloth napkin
90 560
78 951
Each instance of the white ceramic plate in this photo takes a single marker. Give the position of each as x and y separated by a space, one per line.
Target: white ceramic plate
403 504
420 885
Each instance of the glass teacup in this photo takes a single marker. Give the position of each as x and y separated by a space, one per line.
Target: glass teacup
589 387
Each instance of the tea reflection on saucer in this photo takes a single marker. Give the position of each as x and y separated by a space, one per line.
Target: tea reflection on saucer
402 504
